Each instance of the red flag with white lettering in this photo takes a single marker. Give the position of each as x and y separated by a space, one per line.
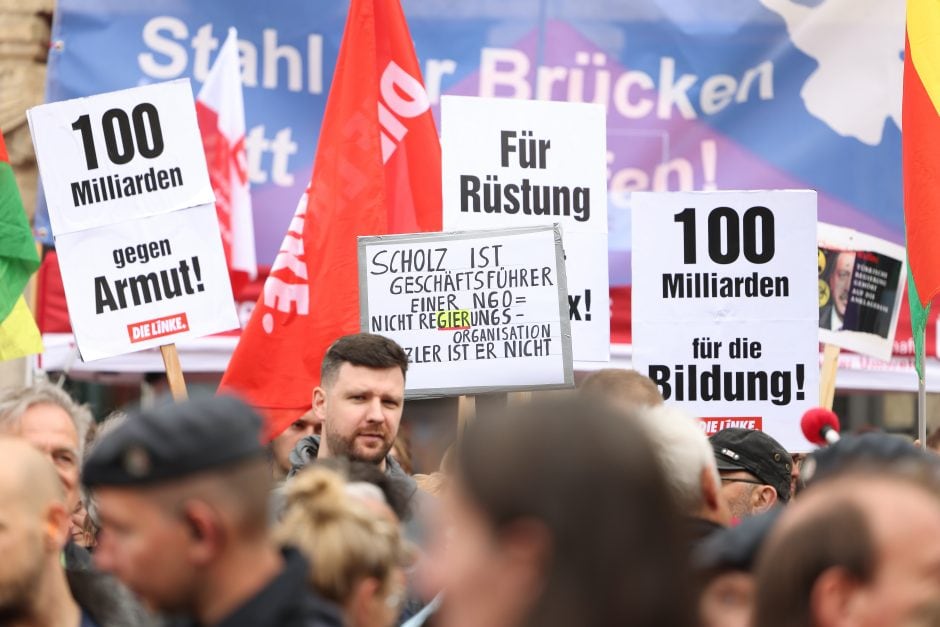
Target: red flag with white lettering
377 171
220 110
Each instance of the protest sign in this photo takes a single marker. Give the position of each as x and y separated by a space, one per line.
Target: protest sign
511 163
476 312
147 282
859 290
120 156
724 306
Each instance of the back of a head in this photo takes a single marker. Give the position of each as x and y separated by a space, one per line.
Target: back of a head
344 539
838 524
623 387
361 472
589 477
683 451
27 478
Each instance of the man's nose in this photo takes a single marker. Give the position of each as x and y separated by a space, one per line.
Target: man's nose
375 413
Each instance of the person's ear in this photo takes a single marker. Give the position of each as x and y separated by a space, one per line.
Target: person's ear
834 599
56 527
526 548
319 403
763 498
363 604
206 530
711 496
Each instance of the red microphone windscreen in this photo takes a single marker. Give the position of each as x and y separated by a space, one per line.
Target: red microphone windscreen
813 422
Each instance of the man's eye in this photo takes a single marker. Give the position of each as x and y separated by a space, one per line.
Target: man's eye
64 458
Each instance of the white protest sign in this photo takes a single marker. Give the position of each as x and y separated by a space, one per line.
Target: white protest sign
148 282
476 312
120 156
859 290
512 163
725 306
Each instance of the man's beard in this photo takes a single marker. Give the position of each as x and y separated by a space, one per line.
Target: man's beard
340 446
16 595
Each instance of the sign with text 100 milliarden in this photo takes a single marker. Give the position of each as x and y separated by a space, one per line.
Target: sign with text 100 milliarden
133 216
725 306
476 312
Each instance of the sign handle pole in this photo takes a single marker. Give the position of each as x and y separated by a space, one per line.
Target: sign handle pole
174 373
827 375
922 397
466 406
519 398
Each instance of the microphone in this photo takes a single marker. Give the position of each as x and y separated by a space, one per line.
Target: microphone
820 426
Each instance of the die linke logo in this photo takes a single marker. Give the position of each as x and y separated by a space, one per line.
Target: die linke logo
401 96
394 83
158 327
712 426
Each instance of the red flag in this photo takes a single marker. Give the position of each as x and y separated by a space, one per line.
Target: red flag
220 110
377 171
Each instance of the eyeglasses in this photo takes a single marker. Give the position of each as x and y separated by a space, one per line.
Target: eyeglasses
736 480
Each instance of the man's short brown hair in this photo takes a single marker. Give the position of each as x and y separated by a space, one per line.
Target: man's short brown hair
362 349
621 385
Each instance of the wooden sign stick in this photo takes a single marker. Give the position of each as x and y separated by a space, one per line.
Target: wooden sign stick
174 373
466 406
827 375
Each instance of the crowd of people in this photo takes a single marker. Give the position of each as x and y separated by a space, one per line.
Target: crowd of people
596 507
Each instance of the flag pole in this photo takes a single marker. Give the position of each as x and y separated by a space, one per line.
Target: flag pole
922 393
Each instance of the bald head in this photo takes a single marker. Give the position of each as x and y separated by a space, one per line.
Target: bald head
859 549
27 478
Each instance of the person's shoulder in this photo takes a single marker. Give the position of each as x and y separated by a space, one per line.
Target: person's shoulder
312 610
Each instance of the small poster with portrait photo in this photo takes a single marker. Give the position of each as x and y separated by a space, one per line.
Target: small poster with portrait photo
859 290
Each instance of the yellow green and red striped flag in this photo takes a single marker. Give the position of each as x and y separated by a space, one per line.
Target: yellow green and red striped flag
19 335
921 163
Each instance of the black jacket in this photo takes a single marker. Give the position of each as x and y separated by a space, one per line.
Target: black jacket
307 449
287 601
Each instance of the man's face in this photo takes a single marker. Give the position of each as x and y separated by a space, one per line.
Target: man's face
840 280
477 570
361 411
737 490
907 538
727 600
24 555
145 547
282 445
50 429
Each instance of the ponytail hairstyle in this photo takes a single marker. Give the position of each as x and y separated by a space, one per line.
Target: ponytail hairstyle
344 540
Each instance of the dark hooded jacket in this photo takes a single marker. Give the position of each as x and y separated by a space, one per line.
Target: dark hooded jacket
100 595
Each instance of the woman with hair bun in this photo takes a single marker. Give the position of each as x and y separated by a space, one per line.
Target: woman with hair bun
357 552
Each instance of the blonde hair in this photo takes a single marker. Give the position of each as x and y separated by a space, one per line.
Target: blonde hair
345 541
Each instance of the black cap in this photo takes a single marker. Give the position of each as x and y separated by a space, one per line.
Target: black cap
861 451
757 453
174 441
735 548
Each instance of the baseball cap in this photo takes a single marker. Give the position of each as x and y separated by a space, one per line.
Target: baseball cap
757 453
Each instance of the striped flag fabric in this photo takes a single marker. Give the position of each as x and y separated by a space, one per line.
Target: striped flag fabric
19 335
921 163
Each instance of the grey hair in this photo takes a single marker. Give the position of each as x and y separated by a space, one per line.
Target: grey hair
15 401
683 451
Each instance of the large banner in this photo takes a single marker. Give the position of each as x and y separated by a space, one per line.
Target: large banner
754 94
